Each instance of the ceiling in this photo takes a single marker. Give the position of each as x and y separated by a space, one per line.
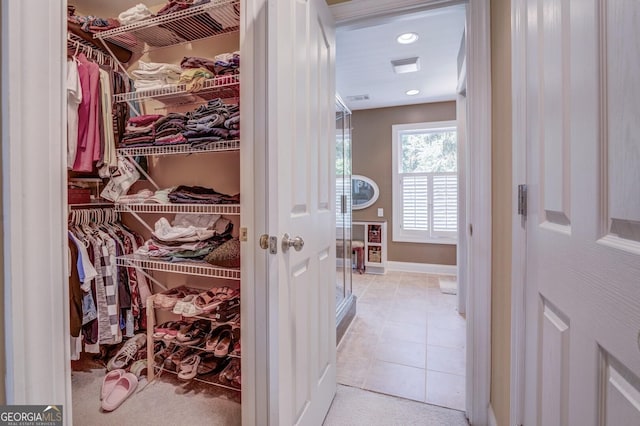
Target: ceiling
364 53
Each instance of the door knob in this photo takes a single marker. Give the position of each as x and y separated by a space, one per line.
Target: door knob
297 243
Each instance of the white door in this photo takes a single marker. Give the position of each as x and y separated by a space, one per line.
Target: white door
583 230
301 93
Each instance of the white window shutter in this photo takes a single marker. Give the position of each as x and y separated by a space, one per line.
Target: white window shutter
445 204
415 202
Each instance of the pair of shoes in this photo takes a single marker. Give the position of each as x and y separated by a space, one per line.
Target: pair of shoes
117 385
128 352
231 374
210 364
185 307
193 333
208 300
168 299
227 311
189 367
220 342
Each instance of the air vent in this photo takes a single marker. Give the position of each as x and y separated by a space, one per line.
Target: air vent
401 66
356 98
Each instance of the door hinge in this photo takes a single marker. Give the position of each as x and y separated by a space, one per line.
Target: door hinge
522 200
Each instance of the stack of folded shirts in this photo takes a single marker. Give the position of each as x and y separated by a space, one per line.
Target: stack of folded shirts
227 63
168 129
185 241
207 123
135 14
155 75
139 131
199 195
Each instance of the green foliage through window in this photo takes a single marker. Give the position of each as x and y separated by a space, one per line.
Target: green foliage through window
429 151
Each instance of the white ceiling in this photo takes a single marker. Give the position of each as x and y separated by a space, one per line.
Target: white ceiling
364 53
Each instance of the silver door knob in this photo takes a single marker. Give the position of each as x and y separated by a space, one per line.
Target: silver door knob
297 243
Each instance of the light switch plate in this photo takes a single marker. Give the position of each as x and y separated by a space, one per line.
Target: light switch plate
380 212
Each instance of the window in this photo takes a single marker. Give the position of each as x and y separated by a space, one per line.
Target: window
425 183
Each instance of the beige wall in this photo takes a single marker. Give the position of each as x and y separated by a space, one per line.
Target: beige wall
502 209
371 156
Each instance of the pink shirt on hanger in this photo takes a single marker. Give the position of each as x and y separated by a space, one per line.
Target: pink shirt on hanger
89 142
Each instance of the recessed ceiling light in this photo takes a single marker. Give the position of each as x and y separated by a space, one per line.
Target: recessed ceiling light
412 92
407 38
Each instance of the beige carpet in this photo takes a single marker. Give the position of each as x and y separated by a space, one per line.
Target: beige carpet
167 401
357 407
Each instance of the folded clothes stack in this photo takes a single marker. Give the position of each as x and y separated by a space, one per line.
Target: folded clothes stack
184 194
227 63
139 131
184 241
155 75
137 13
209 123
93 24
213 122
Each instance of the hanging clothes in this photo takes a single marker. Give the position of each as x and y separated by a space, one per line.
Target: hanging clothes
106 299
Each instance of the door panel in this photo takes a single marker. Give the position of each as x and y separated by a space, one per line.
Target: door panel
583 245
302 186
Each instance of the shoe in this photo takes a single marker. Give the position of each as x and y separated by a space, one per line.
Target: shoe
227 311
231 371
189 367
109 382
185 307
210 364
212 340
139 368
128 352
195 333
121 391
208 300
224 345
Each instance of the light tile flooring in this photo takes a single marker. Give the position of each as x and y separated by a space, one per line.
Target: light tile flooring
406 340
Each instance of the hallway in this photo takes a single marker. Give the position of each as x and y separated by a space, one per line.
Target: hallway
407 340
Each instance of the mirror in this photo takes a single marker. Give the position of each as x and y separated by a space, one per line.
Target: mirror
364 191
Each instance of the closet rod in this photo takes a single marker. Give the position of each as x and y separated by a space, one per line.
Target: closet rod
75 42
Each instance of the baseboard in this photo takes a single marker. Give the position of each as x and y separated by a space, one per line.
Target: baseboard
492 417
425 268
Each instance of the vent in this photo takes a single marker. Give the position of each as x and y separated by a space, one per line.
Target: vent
401 66
356 98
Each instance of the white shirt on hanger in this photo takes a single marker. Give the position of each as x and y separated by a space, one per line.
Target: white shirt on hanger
74 98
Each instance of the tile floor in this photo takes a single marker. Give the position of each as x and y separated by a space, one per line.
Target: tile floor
406 340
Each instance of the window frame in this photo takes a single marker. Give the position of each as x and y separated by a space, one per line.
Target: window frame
414 236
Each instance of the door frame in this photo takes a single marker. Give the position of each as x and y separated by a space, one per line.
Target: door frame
519 234
478 208
34 208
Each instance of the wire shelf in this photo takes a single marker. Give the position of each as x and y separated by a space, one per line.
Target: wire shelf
220 146
225 87
201 269
209 382
195 23
229 209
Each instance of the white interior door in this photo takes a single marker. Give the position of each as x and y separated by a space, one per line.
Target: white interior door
301 195
583 231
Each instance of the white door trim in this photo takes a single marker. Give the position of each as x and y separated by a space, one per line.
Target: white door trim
34 204
518 238
479 151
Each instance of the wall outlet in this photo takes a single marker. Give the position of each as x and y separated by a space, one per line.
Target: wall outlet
380 212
